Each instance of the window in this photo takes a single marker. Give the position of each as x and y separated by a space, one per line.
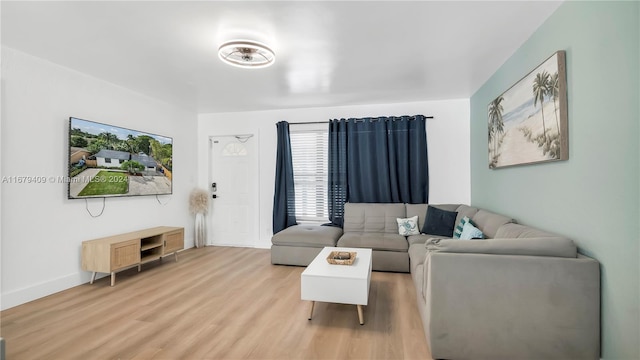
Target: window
234 149
309 152
107 160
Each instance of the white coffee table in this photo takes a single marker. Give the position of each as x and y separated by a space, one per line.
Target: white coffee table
343 284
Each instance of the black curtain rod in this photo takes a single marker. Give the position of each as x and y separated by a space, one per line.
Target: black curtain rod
326 122
312 122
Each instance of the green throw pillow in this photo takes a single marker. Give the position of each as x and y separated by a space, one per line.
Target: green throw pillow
471 232
458 230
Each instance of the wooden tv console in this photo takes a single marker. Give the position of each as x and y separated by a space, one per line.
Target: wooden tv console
115 253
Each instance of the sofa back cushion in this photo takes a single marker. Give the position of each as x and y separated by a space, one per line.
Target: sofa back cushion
517 231
421 211
372 218
547 246
464 210
489 222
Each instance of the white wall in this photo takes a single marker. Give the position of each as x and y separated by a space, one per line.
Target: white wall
41 230
447 138
1 116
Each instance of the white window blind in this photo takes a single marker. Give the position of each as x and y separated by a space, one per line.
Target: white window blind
309 151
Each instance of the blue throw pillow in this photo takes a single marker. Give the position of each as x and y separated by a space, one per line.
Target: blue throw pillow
439 222
471 232
458 229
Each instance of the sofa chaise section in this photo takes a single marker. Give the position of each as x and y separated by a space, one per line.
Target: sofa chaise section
300 244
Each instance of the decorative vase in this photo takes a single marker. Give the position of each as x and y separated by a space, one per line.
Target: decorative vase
198 205
200 230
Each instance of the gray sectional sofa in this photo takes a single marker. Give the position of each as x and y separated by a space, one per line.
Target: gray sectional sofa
520 293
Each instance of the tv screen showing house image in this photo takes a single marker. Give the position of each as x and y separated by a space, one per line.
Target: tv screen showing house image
109 161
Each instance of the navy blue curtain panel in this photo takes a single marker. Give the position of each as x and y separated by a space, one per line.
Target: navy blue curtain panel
368 159
408 159
337 190
284 211
377 160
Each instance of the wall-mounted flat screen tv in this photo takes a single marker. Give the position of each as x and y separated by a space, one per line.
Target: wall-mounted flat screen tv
110 161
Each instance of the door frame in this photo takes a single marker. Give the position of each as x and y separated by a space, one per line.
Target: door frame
256 162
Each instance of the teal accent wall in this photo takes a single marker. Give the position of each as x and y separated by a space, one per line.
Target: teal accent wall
594 197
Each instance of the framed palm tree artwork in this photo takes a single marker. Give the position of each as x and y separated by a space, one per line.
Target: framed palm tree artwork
527 124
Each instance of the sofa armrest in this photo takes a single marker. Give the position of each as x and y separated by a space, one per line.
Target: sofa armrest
511 306
547 246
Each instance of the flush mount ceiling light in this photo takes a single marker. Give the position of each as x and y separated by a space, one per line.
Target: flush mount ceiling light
246 54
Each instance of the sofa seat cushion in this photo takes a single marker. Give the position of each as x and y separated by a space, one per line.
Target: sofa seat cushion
417 253
422 238
308 236
374 241
516 231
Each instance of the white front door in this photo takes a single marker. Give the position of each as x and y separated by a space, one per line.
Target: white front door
233 168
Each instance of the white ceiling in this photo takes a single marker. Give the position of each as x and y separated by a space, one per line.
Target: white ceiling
327 53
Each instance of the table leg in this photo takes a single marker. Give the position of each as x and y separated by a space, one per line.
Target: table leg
360 315
313 303
93 278
113 278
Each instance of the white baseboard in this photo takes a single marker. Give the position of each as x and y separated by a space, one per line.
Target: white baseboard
24 295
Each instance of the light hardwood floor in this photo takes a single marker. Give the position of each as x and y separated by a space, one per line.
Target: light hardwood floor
214 303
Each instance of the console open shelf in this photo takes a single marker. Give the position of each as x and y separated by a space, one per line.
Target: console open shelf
119 252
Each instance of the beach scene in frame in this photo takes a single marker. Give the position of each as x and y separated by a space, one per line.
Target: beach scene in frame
528 123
